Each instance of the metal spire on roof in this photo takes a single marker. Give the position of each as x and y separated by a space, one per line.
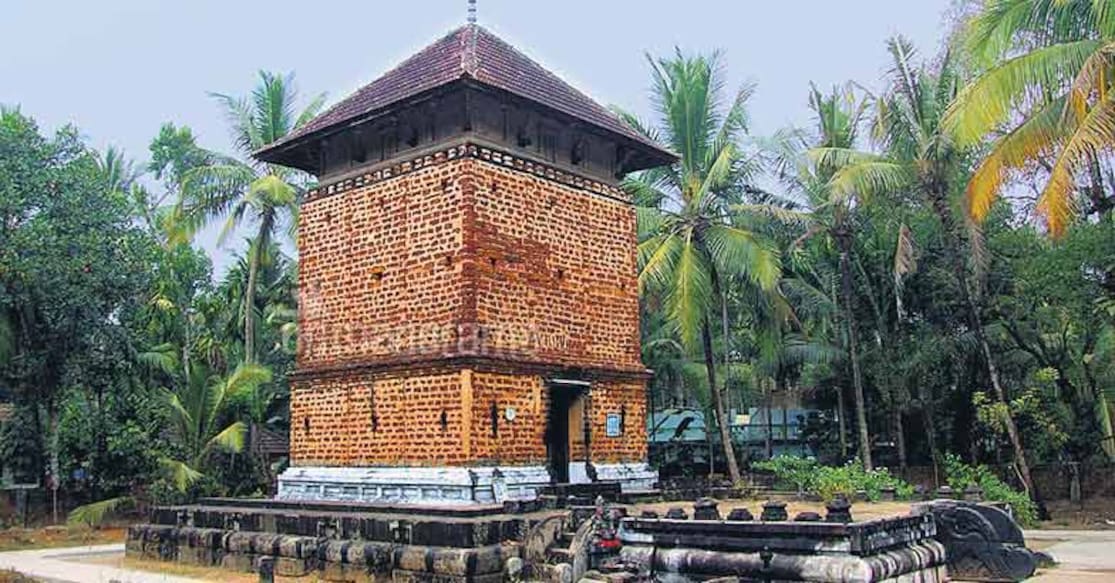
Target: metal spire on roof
472 11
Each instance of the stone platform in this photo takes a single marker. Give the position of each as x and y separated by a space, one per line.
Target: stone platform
895 549
339 541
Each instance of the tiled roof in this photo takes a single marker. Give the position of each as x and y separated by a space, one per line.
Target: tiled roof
273 442
468 52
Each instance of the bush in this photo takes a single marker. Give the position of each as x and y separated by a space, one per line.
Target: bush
961 475
806 475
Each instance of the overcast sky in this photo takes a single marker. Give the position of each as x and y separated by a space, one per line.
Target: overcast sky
118 69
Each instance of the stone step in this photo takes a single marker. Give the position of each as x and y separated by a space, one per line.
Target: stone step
640 496
609 490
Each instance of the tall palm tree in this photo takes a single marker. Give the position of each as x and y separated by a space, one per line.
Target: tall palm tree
920 156
1051 61
247 191
689 242
838 117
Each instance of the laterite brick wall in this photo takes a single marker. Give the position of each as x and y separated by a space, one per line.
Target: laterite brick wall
557 266
460 257
397 420
379 269
519 441
629 398
406 430
467 256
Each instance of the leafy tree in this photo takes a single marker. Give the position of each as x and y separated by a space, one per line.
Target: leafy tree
689 244
71 262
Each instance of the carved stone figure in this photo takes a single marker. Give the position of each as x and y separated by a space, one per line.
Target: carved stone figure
982 542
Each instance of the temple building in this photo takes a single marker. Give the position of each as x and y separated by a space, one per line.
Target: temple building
469 311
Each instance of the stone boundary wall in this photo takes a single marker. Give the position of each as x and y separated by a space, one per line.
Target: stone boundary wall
1053 481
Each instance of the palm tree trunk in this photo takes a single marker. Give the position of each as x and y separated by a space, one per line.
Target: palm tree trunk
250 301
899 438
845 242
718 404
768 403
841 423
727 344
952 248
55 464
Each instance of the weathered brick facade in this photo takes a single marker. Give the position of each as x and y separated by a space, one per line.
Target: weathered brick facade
468 257
468 289
422 293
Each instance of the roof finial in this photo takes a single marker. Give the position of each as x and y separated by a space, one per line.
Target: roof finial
472 11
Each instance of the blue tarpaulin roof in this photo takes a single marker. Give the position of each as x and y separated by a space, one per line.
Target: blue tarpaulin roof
676 424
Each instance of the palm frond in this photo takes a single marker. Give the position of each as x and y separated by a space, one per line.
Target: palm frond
738 251
776 212
648 222
657 258
230 439
1036 136
869 178
905 263
987 102
690 293
94 513
180 473
210 192
163 357
246 379
1095 133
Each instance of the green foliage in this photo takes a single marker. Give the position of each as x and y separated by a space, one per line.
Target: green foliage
94 514
961 475
808 475
111 333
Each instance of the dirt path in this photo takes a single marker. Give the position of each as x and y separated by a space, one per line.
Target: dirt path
1082 556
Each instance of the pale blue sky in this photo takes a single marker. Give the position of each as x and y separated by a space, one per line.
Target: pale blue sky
120 68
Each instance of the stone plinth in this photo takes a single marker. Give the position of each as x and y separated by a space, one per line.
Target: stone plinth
893 549
337 541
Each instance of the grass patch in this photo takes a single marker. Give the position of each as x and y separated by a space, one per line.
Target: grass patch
21 539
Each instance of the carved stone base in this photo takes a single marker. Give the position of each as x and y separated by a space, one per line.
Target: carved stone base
983 543
328 559
446 486
633 477
415 485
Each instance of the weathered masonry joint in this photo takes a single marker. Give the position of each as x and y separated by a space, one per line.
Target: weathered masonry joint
469 312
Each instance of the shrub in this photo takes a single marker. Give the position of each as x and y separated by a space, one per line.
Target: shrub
806 475
790 472
961 475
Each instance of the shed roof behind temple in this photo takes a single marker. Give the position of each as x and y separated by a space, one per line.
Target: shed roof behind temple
469 53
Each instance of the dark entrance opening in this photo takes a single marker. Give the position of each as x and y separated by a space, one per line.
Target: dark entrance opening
564 425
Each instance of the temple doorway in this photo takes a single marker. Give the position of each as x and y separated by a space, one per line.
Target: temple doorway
566 438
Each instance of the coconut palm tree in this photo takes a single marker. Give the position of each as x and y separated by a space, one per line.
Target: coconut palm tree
919 156
1052 62
247 191
689 241
838 117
